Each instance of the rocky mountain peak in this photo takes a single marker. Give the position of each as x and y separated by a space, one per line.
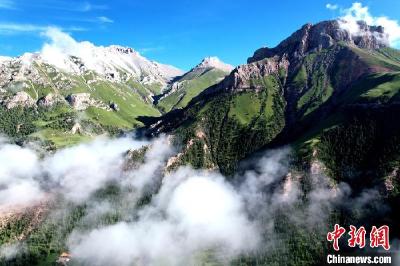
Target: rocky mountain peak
214 62
325 34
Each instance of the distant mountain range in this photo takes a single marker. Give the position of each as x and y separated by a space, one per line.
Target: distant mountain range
95 90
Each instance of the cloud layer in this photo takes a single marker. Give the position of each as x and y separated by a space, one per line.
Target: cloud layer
18 168
76 172
189 215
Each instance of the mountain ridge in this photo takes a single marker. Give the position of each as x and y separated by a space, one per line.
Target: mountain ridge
102 89
103 60
97 89
323 35
301 80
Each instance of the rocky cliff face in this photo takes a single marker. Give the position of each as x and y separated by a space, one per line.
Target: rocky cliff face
241 77
323 35
21 98
284 59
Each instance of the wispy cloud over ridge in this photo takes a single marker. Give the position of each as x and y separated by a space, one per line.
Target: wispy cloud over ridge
359 12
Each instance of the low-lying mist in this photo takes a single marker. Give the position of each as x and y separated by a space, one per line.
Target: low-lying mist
179 217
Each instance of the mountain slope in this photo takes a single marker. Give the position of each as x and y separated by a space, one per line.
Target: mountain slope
331 96
209 72
281 93
79 92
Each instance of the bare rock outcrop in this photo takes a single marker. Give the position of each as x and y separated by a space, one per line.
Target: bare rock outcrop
242 77
50 100
76 129
114 106
80 101
21 98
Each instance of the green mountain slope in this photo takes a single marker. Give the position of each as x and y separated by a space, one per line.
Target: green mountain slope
361 137
295 88
223 129
189 87
334 98
66 106
209 72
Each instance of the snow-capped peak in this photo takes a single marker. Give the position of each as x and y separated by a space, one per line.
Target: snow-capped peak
73 56
214 62
112 62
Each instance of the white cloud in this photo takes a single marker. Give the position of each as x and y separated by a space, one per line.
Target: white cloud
72 6
61 45
9 251
74 172
359 12
17 28
80 170
104 19
86 7
193 212
103 60
196 214
159 152
331 6
7 4
17 179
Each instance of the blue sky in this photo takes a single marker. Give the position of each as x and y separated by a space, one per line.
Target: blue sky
179 32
